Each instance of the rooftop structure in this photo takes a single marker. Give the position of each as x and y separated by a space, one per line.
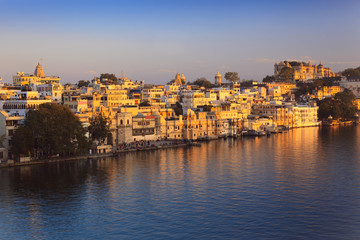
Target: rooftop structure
38 77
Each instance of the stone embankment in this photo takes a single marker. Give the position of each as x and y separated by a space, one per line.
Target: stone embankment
150 147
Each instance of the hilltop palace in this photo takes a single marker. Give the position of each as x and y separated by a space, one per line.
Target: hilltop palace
303 71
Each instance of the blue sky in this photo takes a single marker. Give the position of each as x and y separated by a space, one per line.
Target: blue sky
152 40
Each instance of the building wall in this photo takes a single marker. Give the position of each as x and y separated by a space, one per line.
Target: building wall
124 127
304 71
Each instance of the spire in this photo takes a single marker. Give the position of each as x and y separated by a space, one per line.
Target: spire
218 78
39 72
178 79
183 78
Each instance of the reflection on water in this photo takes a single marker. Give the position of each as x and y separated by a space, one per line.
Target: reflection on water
301 184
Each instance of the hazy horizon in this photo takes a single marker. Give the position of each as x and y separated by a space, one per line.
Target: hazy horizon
153 40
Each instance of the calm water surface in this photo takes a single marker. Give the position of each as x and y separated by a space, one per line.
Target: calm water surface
299 185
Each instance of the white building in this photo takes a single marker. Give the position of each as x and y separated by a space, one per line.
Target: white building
52 91
351 84
8 124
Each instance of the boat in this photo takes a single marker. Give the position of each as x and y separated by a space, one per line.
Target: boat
261 133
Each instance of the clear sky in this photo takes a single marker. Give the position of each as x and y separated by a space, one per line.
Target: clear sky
152 40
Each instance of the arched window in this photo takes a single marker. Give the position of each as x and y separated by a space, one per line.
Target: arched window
121 122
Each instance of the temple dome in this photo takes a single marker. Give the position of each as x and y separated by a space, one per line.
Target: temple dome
39 72
178 80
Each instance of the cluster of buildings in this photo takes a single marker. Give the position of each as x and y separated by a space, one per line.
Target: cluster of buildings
303 71
175 111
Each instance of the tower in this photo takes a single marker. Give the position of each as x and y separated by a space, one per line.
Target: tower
39 72
218 78
178 80
124 127
183 79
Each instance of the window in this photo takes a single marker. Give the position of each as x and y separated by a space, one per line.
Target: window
11 132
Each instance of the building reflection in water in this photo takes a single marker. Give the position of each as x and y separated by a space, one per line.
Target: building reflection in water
287 173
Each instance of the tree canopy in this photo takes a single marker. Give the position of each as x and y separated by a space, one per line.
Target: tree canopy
268 79
232 76
340 106
99 127
50 130
203 82
304 88
351 72
286 74
111 78
83 83
178 109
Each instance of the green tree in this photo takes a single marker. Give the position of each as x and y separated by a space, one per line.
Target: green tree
67 85
203 82
52 129
22 141
178 109
247 83
341 106
83 83
304 88
99 127
268 79
232 76
351 72
111 78
286 74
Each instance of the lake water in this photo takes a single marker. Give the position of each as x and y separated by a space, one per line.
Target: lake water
303 184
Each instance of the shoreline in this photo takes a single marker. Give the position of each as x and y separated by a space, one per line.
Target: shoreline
94 156
118 152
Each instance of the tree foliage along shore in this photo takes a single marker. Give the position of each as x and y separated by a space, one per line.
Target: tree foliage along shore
341 106
99 127
52 129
